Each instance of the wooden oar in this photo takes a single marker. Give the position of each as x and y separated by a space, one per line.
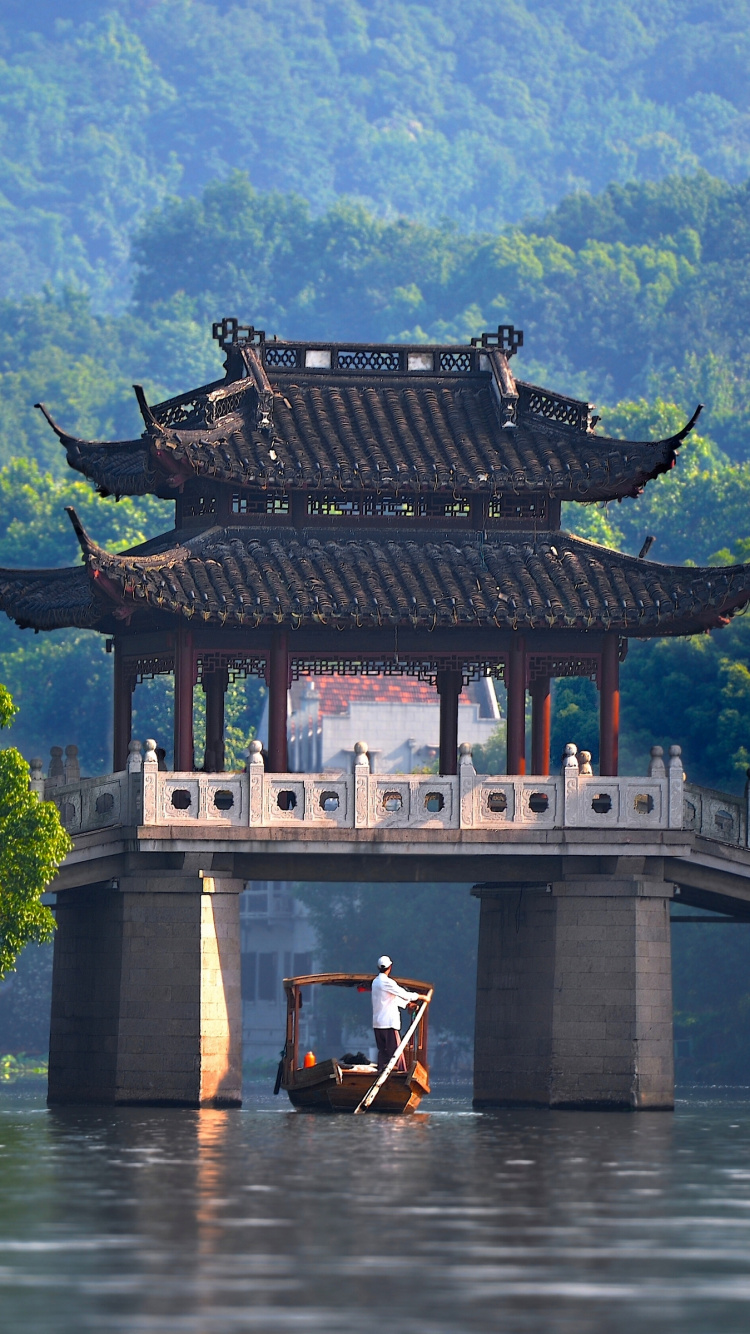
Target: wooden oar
372 1093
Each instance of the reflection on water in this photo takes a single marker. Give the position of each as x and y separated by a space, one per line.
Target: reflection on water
443 1223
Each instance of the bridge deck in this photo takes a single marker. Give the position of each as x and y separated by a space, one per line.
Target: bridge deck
416 827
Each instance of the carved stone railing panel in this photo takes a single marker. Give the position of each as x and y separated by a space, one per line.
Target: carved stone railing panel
188 797
422 801
93 803
716 815
360 800
312 799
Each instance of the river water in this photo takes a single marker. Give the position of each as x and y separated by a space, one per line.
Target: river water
446 1222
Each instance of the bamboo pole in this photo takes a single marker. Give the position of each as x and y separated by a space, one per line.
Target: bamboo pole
372 1093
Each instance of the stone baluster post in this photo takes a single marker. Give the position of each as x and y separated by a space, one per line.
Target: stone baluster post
570 774
56 771
676 784
36 781
255 771
466 780
72 766
150 781
657 767
135 758
361 786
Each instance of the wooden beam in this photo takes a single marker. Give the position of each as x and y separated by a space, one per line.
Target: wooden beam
609 706
449 687
515 681
123 685
214 688
540 725
184 681
278 686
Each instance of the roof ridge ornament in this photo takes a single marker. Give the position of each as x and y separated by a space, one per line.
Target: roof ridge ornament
149 419
228 332
508 339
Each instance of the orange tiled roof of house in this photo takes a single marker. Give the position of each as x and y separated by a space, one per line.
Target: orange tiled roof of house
337 692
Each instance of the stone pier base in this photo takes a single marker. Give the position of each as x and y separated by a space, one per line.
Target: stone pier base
574 995
146 1004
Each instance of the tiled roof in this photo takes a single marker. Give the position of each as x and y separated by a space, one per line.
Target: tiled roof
336 693
226 576
50 599
402 434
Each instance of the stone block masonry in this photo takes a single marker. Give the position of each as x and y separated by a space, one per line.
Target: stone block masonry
146 993
574 995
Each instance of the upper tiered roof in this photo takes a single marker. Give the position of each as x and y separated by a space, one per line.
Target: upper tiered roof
384 419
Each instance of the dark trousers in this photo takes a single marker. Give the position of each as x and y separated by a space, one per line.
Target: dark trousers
387 1040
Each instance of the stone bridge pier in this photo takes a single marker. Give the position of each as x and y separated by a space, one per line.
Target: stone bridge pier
574 992
146 1004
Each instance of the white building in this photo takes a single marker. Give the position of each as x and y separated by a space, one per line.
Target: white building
277 942
398 718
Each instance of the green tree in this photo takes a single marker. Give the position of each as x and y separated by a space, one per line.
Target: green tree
32 845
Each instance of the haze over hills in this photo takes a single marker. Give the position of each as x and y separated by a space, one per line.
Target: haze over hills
481 114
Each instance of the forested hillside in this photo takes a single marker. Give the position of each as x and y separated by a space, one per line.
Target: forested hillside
481 113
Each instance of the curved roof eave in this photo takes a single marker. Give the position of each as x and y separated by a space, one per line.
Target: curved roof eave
365 579
376 436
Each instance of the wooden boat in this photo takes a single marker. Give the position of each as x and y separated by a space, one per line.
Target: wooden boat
335 1085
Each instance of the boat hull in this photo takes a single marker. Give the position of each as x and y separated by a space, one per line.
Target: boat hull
329 1088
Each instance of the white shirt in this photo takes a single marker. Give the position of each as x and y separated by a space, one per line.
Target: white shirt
388 999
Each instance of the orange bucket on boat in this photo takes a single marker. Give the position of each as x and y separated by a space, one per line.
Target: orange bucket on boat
309 1060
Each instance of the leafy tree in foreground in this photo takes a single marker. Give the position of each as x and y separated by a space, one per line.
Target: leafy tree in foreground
32 845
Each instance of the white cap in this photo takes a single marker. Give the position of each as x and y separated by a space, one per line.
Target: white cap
385 962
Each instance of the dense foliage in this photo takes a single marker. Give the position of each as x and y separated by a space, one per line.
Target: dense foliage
650 313
32 845
104 108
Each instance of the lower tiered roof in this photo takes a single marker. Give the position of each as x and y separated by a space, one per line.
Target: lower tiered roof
360 578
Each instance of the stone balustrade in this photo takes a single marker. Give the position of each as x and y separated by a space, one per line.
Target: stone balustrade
575 799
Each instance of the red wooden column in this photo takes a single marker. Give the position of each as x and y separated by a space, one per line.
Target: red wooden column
123 685
277 679
609 706
449 686
184 681
515 682
214 688
540 725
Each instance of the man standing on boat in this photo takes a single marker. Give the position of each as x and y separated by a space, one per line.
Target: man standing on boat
388 1000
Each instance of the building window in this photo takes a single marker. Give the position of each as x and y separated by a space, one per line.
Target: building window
371 506
194 507
243 503
531 510
249 975
268 970
254 903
